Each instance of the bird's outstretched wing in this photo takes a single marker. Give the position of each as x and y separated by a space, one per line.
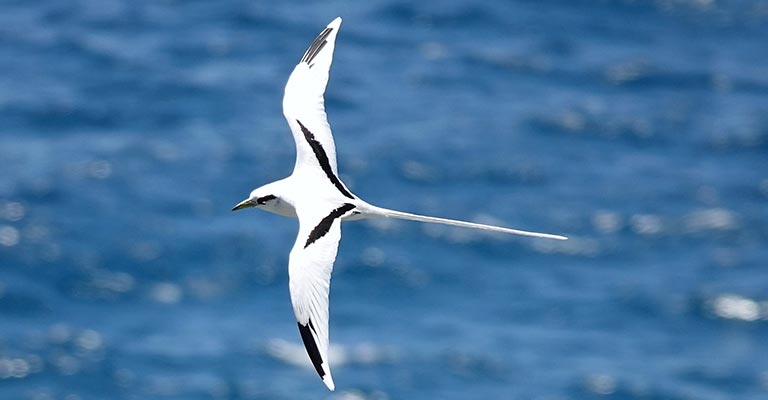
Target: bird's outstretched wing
309 268
304 106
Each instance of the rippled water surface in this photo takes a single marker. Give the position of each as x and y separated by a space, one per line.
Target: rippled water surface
128 129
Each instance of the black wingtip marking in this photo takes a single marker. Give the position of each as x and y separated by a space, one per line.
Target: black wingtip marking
322 158
316 53
317 45
311 346
325 224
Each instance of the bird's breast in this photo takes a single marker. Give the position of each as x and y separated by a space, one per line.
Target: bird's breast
281 207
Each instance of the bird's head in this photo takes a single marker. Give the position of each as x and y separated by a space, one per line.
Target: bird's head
259 197
270 197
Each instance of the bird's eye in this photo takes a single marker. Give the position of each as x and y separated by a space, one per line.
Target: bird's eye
265 199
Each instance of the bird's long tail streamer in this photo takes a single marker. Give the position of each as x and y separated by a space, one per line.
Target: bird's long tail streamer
386 213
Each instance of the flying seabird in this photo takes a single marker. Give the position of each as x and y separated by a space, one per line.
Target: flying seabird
319 199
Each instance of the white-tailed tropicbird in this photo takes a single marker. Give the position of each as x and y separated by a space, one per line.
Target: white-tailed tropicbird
315 194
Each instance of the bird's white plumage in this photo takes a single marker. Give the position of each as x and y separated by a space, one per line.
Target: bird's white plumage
309 270
310 266
304 101
315 195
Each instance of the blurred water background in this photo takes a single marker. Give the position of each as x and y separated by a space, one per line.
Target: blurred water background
128 129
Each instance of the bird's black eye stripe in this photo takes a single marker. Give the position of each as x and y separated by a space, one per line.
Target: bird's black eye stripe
265 199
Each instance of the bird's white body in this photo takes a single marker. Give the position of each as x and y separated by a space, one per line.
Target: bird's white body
315 194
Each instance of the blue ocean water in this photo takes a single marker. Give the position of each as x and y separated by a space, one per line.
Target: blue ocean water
128 129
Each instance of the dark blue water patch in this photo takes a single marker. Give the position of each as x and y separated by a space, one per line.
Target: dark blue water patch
59 117
451 16
21 304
